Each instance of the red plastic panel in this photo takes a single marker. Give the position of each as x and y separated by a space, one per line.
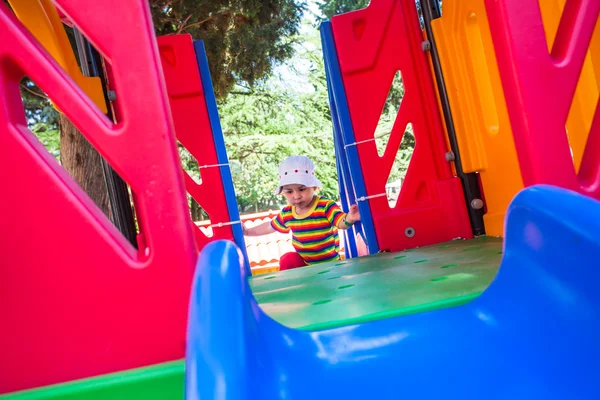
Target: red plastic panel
76 299
431 201
194 131
540 89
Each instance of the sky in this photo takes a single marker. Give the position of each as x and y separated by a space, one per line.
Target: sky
295 78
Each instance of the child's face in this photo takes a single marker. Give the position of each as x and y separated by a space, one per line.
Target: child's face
298 195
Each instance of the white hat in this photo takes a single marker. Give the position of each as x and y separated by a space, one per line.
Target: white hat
297 170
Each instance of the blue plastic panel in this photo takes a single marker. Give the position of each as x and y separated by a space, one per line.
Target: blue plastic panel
345 187
347 156
215 123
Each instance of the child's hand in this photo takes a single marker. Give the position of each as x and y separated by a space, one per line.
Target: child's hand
353 214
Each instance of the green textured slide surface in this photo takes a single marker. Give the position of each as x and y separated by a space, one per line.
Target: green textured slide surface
156 382
379 286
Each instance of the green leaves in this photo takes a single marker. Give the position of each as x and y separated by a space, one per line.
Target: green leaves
285 115
49 138
329 8
244 39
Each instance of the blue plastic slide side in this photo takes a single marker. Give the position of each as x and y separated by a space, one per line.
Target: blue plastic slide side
341 114
347 196
349 241
533 334
217 131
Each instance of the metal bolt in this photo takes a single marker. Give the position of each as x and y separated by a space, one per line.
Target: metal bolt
476 204
409 232
112 95
426 45
450 156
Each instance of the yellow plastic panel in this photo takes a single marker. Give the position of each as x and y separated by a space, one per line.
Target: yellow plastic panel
582 111
478 106
41 18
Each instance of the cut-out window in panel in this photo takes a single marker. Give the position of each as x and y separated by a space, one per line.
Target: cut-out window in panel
189 164
74 154
400 166
586 96
197 212
42 118
200 217
585 100
389 113
552 11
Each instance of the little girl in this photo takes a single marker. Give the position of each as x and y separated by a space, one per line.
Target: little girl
310 217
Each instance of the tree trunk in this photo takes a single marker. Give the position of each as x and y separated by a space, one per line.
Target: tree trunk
83 163
195 210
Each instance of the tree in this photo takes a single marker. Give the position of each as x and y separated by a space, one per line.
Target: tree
41 116
287 114
244 39
84 163
329 8
38 109
262 128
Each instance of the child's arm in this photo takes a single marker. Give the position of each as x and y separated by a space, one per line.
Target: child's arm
350 218
263 229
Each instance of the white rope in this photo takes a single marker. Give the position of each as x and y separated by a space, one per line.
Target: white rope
213 165
368 140
357 143
363 198
222 224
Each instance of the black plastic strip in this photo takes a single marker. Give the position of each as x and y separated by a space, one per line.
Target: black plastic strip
469 181
118 191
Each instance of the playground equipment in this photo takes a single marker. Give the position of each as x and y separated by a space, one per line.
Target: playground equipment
430 195
98 318
136 297
196 120
513 340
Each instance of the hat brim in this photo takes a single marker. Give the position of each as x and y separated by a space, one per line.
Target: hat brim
298 179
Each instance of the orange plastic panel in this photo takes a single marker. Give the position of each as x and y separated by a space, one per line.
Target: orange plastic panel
582 111
478 106
41 18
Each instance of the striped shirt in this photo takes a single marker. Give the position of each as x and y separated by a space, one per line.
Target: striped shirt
314 234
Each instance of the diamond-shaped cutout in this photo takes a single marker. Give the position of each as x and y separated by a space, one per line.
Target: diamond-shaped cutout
400 166
200 217
197 213
587 92
189 163
588 172
551 14
389 113
583 107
